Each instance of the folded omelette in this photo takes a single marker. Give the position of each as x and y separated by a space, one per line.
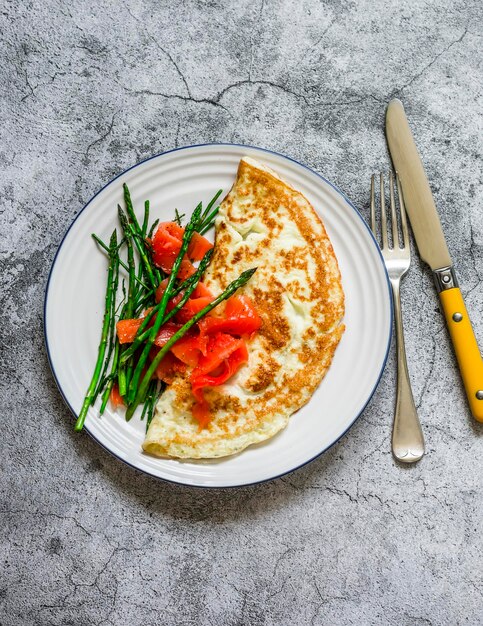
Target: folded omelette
265 223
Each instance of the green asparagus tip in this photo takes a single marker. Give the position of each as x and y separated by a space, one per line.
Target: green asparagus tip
247 274
130 410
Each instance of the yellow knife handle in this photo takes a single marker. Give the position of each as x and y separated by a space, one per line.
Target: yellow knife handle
465 347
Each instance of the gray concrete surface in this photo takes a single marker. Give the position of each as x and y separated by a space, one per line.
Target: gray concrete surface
90 88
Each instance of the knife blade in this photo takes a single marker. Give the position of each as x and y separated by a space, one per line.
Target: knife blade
431 243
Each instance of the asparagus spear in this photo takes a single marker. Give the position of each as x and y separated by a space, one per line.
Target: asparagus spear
210 205
124 371
153 399
105 331
112 341
146 219
144 231
111 377
130 208
230 290
152 229
145 408
138 236
152 272
130 261
178 217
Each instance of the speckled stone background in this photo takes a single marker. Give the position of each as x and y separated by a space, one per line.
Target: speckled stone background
90 88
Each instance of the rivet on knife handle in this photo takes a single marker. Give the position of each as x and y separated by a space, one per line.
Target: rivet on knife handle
465 347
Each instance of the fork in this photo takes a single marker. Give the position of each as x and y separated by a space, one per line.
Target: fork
407 436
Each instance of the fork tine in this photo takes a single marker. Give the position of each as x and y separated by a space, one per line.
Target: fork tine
373 206
395 235
404 222
383 215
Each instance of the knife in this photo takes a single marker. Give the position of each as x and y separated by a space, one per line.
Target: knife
433 250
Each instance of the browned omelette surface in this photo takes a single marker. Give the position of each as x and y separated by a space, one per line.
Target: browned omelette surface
263 222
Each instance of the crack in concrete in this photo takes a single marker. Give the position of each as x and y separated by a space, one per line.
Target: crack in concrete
163 50
431 63
280 558
376 449
244 596
269 83
472 251
383 503
216 100
250 67
176 139
445 432
102 137
27 82
275 593
101 50
16 376
341 492
477 588
286 481
417 620
325 600
316 44
33 89
43 514
149 92
427 379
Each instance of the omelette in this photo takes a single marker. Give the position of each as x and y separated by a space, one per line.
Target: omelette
263 222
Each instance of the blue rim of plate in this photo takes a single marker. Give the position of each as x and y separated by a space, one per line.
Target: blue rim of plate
357 212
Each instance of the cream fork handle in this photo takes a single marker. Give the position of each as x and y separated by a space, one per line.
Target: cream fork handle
407 436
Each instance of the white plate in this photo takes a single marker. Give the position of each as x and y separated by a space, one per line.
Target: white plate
180 179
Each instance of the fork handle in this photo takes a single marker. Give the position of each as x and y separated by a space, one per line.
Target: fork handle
407 436
465 347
